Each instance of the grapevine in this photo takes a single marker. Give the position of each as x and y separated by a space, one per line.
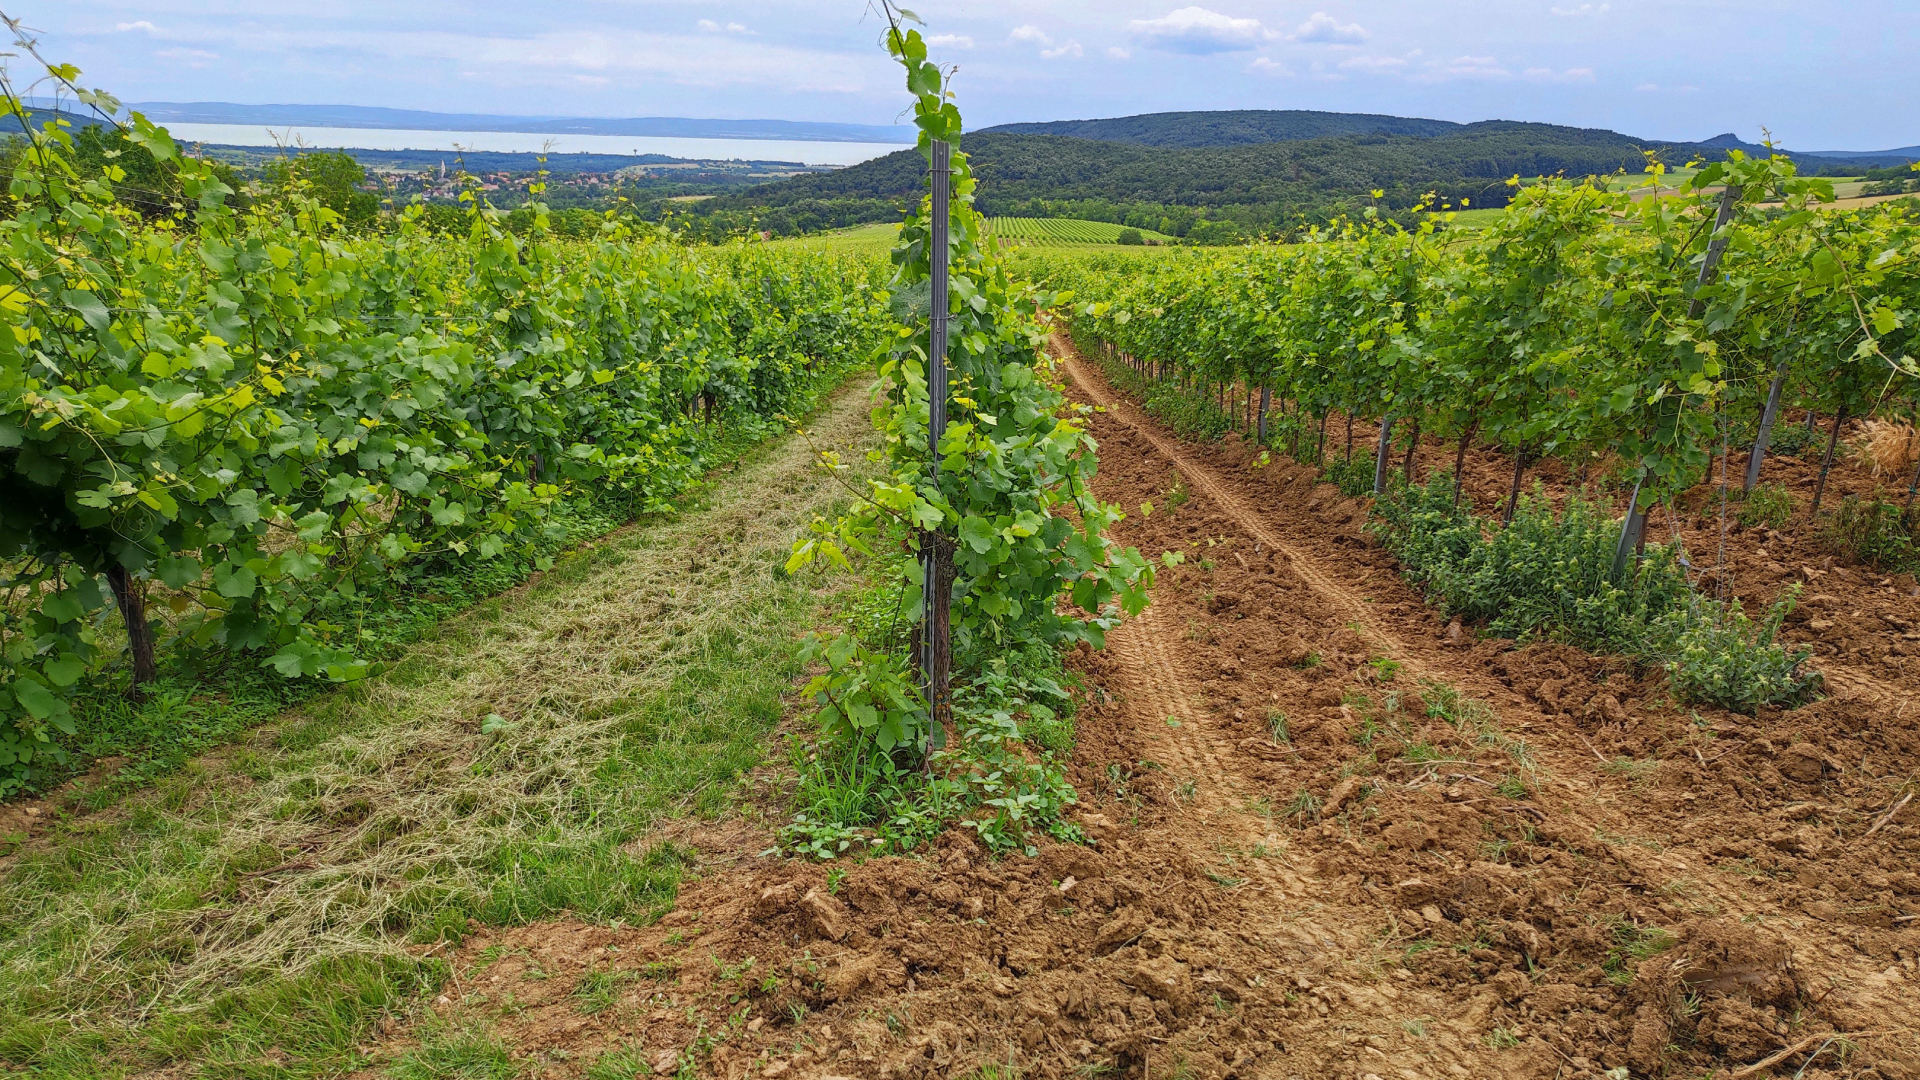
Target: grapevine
234 421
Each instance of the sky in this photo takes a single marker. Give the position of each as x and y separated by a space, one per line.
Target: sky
1817 77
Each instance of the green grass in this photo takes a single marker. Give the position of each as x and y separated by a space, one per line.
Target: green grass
1478 218
1067 233
625 1063
456 1054
1633 943
599 990
875 239
249 915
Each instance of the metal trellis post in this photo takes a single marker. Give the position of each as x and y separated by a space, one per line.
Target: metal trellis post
936 550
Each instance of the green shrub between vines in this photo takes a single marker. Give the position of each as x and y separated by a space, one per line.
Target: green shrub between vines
1873 532
1550 574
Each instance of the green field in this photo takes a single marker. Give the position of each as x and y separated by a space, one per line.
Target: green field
1052 231
1026 232
875 239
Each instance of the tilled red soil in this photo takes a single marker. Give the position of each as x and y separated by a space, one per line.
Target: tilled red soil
1462 859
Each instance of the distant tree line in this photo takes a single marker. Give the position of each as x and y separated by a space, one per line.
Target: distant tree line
1223 191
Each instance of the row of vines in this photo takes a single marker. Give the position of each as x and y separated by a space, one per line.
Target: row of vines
1627 335
225 425
1018 538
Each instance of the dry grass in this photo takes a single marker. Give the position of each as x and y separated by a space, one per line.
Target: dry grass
384 812
1888 447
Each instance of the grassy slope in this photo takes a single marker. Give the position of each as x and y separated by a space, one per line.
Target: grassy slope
251 915
875 239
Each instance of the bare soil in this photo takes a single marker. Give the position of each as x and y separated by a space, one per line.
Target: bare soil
1464 859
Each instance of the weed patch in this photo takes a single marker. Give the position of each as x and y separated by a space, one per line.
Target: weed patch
1005 778
1633 943
1551 575
1185 411
1872 532
1767 506
1353 476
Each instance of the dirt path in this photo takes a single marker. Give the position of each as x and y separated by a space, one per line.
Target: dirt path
1335 838
1573 803
1325 588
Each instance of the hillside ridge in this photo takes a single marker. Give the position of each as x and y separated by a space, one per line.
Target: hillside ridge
1281 185
1228 127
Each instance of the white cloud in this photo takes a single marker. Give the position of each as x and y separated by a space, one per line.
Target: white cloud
1570 75
1583 9
1467 67
193 58
1119 53
711 27
1199 32
141 25
1323 29
1036 36
952 41
1656 88
1267 65
631 59
1374 65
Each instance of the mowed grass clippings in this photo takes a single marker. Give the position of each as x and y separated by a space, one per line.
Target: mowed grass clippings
254 914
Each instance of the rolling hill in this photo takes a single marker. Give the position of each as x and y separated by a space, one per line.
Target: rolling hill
1248 127
1276 184
1233 127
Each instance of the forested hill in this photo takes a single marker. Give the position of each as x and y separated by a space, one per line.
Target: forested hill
1256 188
1232 127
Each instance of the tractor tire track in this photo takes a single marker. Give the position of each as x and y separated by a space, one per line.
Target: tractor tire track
1305 566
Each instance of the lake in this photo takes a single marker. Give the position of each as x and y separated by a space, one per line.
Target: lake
513 142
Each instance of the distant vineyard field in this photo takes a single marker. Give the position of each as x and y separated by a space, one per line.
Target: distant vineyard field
1064 231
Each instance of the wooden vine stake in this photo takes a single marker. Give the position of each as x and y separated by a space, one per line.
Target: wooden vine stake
1635 527
1381 453
936 551
1767 416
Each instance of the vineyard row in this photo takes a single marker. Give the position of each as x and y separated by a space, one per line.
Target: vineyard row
237 426
1580 323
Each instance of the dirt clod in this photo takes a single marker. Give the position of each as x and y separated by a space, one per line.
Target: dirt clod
826 915
1165 979
1802 762
1342 794
776 900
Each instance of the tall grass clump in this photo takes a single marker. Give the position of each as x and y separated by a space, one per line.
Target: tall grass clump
1352 475
1550 574
1872 532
